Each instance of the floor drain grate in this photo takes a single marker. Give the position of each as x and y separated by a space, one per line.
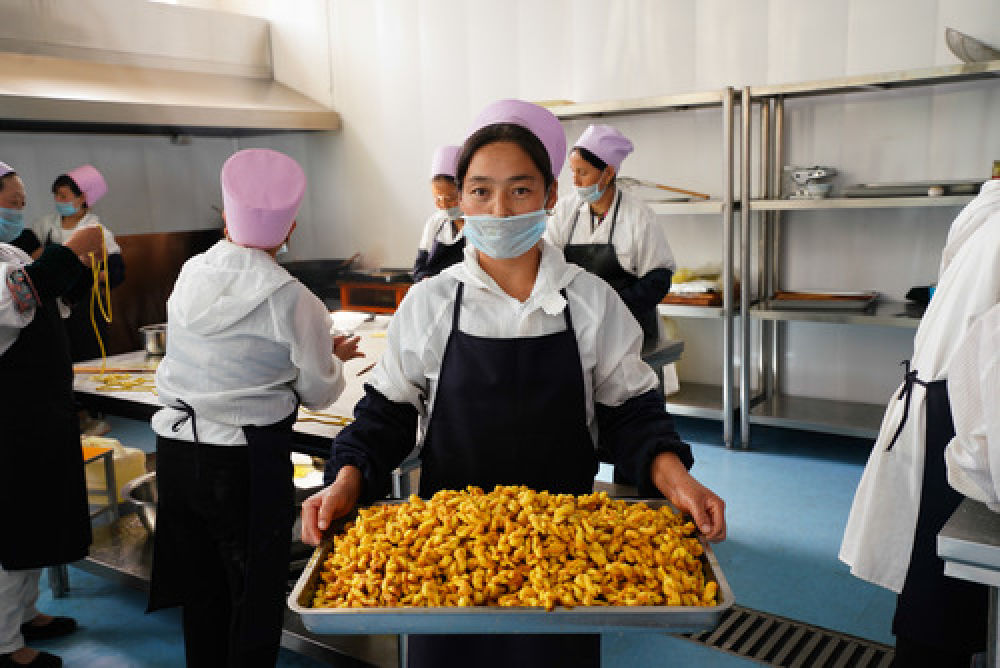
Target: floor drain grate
778 641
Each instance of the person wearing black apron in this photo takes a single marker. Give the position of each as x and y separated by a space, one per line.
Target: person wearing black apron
442 243
936 615
44 525
905 494
246 343
631 251
513 389
75 194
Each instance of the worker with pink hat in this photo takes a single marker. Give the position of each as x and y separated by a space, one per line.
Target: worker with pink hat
508 365
75 193
612 233
247 343
441 243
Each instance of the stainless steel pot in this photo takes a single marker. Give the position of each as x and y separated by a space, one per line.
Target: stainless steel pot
155 339
142 494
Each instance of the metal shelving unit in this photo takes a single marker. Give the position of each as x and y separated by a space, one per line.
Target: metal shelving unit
694 399
767 406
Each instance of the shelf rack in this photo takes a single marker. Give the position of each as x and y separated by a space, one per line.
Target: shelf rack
769 407
694 399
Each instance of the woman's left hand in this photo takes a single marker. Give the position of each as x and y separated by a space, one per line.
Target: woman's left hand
689 496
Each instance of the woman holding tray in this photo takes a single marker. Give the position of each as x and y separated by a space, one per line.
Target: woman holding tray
515 363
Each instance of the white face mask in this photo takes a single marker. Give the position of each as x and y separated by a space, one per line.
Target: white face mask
508 237
591 193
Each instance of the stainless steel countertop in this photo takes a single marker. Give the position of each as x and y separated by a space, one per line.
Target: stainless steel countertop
969 543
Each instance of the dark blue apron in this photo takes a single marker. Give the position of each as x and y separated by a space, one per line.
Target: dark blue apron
267 512
935 611
442 255
508 412
601 259
44 524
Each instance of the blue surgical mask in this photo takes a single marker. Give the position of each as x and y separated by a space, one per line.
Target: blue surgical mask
65 208
11 224
454 212
591 193
505 237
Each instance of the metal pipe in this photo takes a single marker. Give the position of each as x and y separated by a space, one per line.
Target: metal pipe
745 271
763 362
778 160
727 268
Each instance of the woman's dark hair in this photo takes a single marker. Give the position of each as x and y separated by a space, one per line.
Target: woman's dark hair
3 179
592 158
65 180
509 132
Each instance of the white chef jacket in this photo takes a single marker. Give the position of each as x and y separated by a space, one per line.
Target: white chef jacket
973 455
12 321
438 228
970 219
608 341
878 539
50 230
245 342
640 242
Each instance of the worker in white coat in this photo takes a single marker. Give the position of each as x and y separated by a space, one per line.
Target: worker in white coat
44 525
246 344
75 193
441 243
973 456
515 362
903 498
611 233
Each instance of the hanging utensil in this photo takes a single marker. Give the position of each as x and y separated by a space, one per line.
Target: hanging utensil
632 181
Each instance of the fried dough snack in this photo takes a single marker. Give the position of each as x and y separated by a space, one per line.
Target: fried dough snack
514 547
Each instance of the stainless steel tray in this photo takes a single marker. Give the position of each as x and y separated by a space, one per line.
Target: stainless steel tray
849 301
912 188
581 619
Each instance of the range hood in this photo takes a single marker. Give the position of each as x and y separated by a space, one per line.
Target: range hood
115 78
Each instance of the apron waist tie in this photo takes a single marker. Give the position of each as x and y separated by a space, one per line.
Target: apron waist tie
909 378
189 414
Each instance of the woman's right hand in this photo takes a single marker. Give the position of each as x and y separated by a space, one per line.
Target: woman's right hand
326 505
346 347
84 241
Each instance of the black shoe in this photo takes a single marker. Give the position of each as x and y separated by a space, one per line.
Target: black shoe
57 626
43 660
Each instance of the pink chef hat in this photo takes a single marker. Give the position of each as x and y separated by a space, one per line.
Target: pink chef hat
540 121
90 181
606 143
261 193
5 169
444 161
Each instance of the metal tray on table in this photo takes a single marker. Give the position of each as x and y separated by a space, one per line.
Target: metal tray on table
483 619
815 300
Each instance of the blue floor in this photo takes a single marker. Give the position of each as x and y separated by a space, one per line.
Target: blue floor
787 503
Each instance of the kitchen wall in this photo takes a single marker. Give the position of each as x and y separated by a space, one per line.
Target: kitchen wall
407 75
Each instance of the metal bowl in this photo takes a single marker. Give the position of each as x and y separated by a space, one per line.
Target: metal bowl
142 494
969 49
155 339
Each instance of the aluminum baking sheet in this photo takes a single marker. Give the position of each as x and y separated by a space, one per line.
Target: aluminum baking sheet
846 301
581 619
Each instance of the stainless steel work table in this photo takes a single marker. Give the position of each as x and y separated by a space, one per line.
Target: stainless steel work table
969 543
